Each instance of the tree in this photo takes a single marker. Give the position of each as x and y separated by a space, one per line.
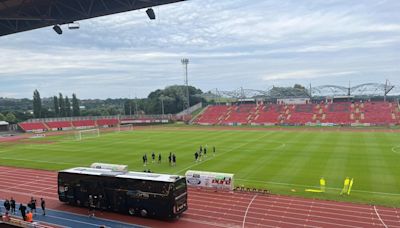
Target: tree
37 104
62 105
56 106
75 106
10 117
67 107
2 117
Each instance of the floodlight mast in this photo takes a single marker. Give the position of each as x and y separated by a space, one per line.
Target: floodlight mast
185 63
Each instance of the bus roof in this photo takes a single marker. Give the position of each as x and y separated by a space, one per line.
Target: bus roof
128 175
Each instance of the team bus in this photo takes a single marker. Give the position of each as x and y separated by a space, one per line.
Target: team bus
135 193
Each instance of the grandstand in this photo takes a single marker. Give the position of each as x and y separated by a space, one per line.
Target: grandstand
361 105
325 114
70 123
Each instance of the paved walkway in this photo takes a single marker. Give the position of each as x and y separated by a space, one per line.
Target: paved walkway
67 219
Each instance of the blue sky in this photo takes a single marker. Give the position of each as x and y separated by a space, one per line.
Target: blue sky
230 44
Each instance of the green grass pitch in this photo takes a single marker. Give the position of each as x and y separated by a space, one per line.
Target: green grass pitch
279 160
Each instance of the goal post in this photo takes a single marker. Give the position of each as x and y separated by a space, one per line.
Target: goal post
125 127
85 134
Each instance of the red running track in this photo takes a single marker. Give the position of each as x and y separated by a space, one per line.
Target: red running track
216 209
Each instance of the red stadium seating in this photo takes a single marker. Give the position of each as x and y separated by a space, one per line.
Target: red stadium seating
83 123
267 114
59 124
336 113
33 126
239 114
108 122
378 113
301 114
212 115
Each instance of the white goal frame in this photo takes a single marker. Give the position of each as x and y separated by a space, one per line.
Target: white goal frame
127 127
96 132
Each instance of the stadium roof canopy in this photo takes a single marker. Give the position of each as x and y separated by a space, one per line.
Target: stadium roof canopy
3 123
23 15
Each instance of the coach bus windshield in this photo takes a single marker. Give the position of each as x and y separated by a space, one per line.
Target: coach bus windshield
180 187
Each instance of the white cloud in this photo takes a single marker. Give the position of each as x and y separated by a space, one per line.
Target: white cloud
229 43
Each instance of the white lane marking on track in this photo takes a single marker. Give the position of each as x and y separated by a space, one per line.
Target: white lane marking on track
110 220
376 211
40 161
247 210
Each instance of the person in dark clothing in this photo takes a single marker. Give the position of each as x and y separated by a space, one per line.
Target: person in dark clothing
12 204
92 206
43 205
159 158
170 158
214 150
196 156
33 206
7 205
144 161
201 149
145 158
173 160
205 151
153 157
22 208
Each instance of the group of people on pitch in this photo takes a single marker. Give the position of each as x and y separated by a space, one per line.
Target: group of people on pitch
171 158
202 152
27 215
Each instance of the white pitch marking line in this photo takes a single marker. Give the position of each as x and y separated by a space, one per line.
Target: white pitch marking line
376 211
394 149
247 210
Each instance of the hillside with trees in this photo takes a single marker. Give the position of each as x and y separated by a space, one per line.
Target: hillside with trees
59 105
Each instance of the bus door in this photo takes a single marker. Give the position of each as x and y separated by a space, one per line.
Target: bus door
118 200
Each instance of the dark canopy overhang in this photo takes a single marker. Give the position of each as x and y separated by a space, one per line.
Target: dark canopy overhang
23 15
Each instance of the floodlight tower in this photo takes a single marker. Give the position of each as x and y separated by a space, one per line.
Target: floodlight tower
185 63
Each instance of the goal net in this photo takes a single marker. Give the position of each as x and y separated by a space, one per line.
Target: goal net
125 127
86 134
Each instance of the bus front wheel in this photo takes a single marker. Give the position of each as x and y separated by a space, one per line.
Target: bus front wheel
131 211
143 212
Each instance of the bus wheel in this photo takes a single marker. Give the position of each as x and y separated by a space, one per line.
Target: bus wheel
131 211
143 212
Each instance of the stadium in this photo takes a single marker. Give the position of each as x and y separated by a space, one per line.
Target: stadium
322 156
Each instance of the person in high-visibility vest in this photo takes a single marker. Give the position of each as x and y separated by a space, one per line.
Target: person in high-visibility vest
345 186
322 183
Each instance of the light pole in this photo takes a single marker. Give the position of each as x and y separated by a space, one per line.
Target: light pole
185 63
162 105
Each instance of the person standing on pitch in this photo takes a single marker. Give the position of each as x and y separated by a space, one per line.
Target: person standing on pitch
173 160
144 160
153 157
214 150
159 158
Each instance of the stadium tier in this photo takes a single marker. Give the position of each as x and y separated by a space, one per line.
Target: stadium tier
33 126
107 122
337 113
59 124
84 123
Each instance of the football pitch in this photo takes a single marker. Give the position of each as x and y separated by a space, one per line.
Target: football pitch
282 161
